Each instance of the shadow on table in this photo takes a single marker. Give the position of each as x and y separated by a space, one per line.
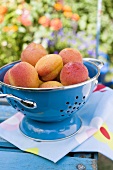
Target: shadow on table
104 163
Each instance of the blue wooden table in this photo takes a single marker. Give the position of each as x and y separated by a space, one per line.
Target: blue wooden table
11 158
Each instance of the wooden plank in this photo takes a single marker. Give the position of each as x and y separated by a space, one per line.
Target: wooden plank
86 159
6 111
5 144
3 101
23 161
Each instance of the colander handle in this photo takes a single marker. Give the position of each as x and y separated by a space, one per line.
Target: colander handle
98 62
25 103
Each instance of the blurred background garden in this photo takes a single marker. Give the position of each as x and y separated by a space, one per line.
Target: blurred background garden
57 24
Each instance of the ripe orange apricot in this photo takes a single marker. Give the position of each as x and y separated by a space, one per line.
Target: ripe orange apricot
73 73
70 54
32 53
49 66
23 74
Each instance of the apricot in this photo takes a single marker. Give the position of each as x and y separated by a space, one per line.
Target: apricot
70 55
57 78
23 74
49 66
6 78
50 84
73 73
40 82
32 53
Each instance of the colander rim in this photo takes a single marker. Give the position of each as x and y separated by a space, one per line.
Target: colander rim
53 89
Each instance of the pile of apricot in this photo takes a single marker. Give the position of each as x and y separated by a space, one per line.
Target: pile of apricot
38 69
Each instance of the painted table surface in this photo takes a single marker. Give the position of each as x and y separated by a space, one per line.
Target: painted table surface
12 158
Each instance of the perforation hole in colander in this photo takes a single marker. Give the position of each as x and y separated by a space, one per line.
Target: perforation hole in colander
71 108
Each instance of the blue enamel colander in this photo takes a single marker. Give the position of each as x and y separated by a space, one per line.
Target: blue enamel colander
50 114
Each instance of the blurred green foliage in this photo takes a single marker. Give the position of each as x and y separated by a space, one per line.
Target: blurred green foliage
19 25
88 12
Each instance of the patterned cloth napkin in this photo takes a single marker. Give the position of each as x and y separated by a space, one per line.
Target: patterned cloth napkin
102 140
96 115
